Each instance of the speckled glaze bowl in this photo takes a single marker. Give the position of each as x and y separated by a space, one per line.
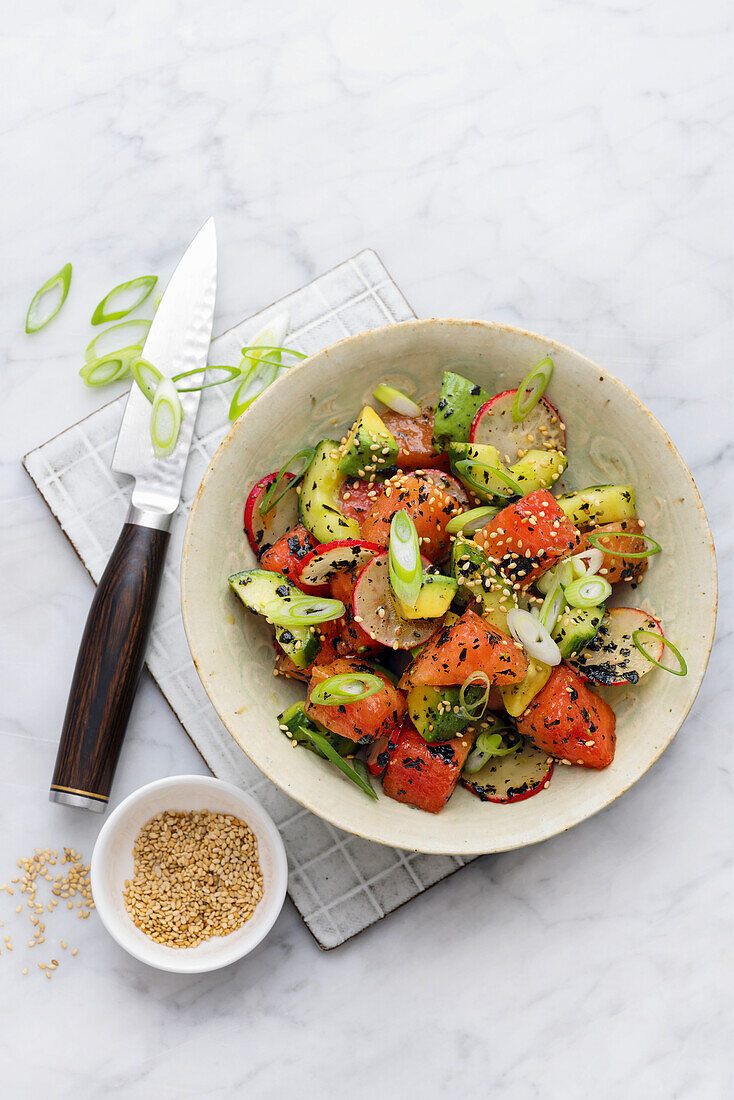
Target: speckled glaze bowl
611 437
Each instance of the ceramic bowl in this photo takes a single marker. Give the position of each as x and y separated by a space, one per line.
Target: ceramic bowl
112 863
611 437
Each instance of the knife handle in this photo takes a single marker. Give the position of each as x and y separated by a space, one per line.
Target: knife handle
108 668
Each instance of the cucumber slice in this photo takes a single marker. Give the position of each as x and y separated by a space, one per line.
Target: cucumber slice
434 598
369 447
576 629
458 403
318 503
598 504
480 580
538 470
258 588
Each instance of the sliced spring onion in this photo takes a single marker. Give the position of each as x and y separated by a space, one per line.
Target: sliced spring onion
331 754
682 669
54 290
303 611
253 349
165 420
471 521
489 743
551 608
563 573
404 559
147 377
140 288
587 592
269 500
465 468
475 709
531 389
597 541
108 368
350 687
396 400
592 560
533 636
140 325
230 373
263 371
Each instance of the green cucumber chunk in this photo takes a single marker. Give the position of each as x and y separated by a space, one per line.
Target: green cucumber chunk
598 504
538 469
258 588
369 447
318 502
458 403
575 629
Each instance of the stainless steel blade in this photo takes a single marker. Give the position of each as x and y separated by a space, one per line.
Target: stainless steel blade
178 341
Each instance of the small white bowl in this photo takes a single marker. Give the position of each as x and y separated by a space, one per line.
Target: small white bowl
112 863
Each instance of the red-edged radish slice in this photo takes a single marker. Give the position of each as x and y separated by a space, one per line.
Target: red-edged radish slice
343 555
450 485
374 609
511 778
542 428
613 658
264 531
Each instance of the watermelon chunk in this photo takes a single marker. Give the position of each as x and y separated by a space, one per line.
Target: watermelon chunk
364 721
414 437
468 645
286 555
567 720
422 774
528 537
428 505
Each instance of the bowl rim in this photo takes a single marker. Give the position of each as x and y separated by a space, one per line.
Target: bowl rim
436 848
276 891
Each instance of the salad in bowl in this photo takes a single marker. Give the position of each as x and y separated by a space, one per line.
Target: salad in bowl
445 608
466 550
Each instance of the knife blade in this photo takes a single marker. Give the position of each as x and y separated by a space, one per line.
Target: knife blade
113 643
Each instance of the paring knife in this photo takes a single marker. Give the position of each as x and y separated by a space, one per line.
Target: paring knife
113 643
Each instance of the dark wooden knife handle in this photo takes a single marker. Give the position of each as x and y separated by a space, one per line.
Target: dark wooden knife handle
108 668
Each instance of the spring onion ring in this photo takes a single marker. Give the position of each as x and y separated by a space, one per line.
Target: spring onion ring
533 636
269 500
262 373
396 400
596 541
165 420
147 377
592 559
490 743
58 287
404 559
682 669
230 374
139 325
481 702
349 687
252 349
108 368
587 592
303 611
472 521
551 607
531 389
105 310
464 469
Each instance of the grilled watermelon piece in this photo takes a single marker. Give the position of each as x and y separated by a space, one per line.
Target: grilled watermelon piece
356 497
414 437
424 775
616 537
380 751
286 555
428 505
567 720
468 645
366 720
528 537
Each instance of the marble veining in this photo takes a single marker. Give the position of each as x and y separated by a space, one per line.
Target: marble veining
562 166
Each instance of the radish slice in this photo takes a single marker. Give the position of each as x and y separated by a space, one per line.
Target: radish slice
511 778
263 531
449 484
613 658
347 555
541 428
374 609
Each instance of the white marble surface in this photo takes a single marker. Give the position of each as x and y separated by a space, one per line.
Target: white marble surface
563 166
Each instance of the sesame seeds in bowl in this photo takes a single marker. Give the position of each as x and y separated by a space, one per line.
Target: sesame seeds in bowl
189 874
